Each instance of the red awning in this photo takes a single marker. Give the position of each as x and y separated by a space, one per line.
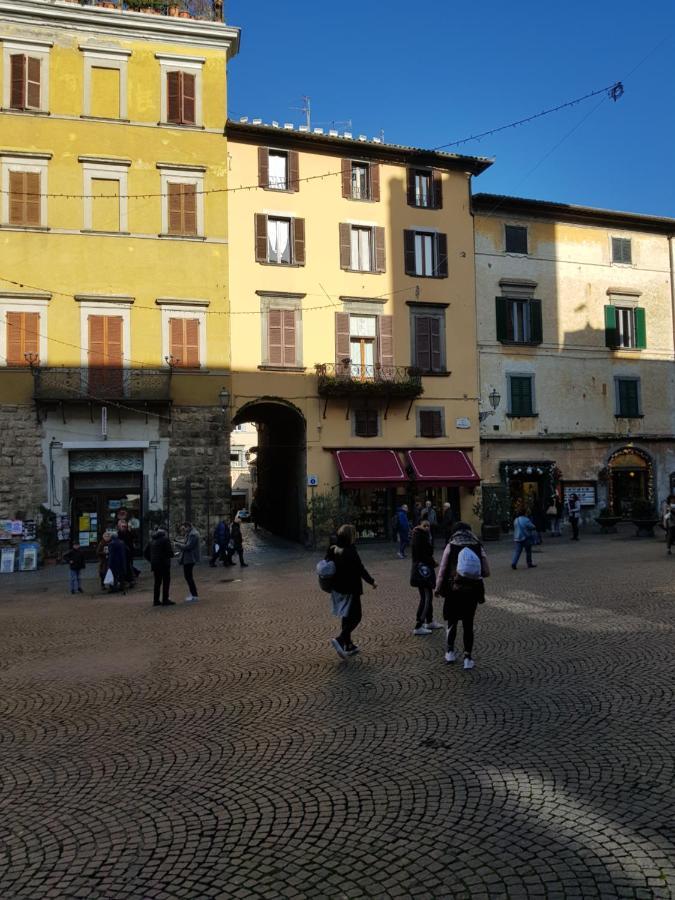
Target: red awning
444 467
369 467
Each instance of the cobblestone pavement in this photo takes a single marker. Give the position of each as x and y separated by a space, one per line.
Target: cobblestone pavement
221 749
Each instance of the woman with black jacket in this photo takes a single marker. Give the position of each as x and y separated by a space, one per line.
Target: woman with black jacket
423 578
349 570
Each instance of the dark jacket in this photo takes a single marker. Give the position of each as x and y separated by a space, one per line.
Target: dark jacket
75 559
189 548
127 538
117 558
221 535
235 535
102 553
161 551
466 592
421 549
349 570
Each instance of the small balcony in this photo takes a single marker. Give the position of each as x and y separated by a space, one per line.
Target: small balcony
346 379
85 385
207 10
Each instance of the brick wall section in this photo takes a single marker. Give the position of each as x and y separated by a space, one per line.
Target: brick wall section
198 469
23 478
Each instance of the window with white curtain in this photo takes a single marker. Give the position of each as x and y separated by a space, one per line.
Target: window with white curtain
362 250
424 254
360 187
278 170
362 345
279 240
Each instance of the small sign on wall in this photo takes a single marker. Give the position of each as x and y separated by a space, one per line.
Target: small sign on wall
585 492
463 423
312 480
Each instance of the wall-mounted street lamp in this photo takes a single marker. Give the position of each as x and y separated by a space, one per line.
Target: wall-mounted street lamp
32 359
224 398
494 397
171 361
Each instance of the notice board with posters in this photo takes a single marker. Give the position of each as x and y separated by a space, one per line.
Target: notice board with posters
586 491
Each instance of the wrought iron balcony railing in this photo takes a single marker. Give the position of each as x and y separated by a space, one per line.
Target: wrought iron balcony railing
346 379
210 10
85 384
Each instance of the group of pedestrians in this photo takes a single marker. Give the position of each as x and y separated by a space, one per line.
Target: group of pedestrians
228 540
403 526
160 552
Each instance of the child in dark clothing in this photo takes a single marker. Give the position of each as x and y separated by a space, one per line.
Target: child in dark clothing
76 562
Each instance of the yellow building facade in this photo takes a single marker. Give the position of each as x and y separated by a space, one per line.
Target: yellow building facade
113 280
353 323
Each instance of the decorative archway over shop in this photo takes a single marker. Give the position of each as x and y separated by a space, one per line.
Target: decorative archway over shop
631 478
531 482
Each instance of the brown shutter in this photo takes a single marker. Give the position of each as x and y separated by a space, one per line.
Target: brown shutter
173 96
260 237
96 341
345 246
33 83
18 81
189 99
176 344
409 252
263 167
175 208
32 194
422 343
15 351
435 343
288 320
375 182
16 198
385 326
191 343
113 349
380 254
24 198
189 198
298 226
293 170
341 337
347 179
442 250
31 334
437 189
411 187
275 337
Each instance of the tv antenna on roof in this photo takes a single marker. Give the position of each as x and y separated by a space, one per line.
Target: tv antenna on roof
306 108
334 124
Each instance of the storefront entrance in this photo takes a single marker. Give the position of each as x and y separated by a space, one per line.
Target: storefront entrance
630 480
99 501
530 487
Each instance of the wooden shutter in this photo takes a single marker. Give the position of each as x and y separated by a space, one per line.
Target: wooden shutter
521 396
422 343
263 167
173 96
275 337
435 341
536 324
175 208
436 190
347 179
298 226
293 170
375 182
189 202
385 329
33 82
502 308
176 344
442 256
23 337
105 341
260 237
288 346
24 198
409 252
380 253
431 423
17 81
611 335
640 328
188 98
191 340
113 344
410 174
342 350
345 246
96 341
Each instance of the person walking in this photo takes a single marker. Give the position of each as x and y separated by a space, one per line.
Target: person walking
102 555
446 522
422 577
574 514
159 553
403 529
460 582
188 557
118 563
552 514
76 563
221 538
347 588
669 522
127 538
236 544
524 532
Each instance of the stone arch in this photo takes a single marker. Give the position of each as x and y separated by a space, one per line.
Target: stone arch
630 478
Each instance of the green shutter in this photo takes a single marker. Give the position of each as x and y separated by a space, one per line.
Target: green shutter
629 397
521 395
611 337
502 318
536 326
640 328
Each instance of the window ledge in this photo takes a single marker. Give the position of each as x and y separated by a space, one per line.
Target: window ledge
25 112
185 370
443 374
624 416
522 416
521 343
110 119
280 265
434 277
363 272
274 190
180 125
267 368
625 349
431 437
517 253
429 208
183 237
7 226
362 199
105 233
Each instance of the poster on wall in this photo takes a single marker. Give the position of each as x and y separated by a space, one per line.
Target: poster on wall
7 558
17 528
29 530
5 529
586 492
84 539
28 559
84 522
63 528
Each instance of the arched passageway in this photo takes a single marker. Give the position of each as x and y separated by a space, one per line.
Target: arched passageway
281 465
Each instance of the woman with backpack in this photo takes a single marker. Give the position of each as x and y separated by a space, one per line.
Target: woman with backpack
347 588
423 578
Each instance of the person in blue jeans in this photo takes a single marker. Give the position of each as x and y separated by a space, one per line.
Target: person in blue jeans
75 560
403 528
524 531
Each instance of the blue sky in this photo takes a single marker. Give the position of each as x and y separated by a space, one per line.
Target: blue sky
440 71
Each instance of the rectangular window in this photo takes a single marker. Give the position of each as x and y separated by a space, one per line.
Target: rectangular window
24 198
279 241
361 250
278 170
105 204
104 101
425 190
25 81
181 98
281 337
628 397
430 423
425 254
625 327
105 353
515 239
363 346
428 336
521 395
360 181
182 208
366 423
519 321
237 458
184 343
621 251
23 338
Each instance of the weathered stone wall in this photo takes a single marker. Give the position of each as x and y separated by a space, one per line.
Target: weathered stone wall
23 481
198 469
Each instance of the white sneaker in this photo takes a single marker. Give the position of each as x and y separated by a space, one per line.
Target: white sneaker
400 556
339 649
421 630
450 656
469 663
191 599
433 626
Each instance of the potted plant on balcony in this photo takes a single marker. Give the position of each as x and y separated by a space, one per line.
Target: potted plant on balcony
154 7
643 516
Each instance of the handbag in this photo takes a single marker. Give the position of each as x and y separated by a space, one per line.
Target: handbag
325 569
109 579
422 576
552 511
341 603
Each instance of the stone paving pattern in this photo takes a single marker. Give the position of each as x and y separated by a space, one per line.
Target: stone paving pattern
222 749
